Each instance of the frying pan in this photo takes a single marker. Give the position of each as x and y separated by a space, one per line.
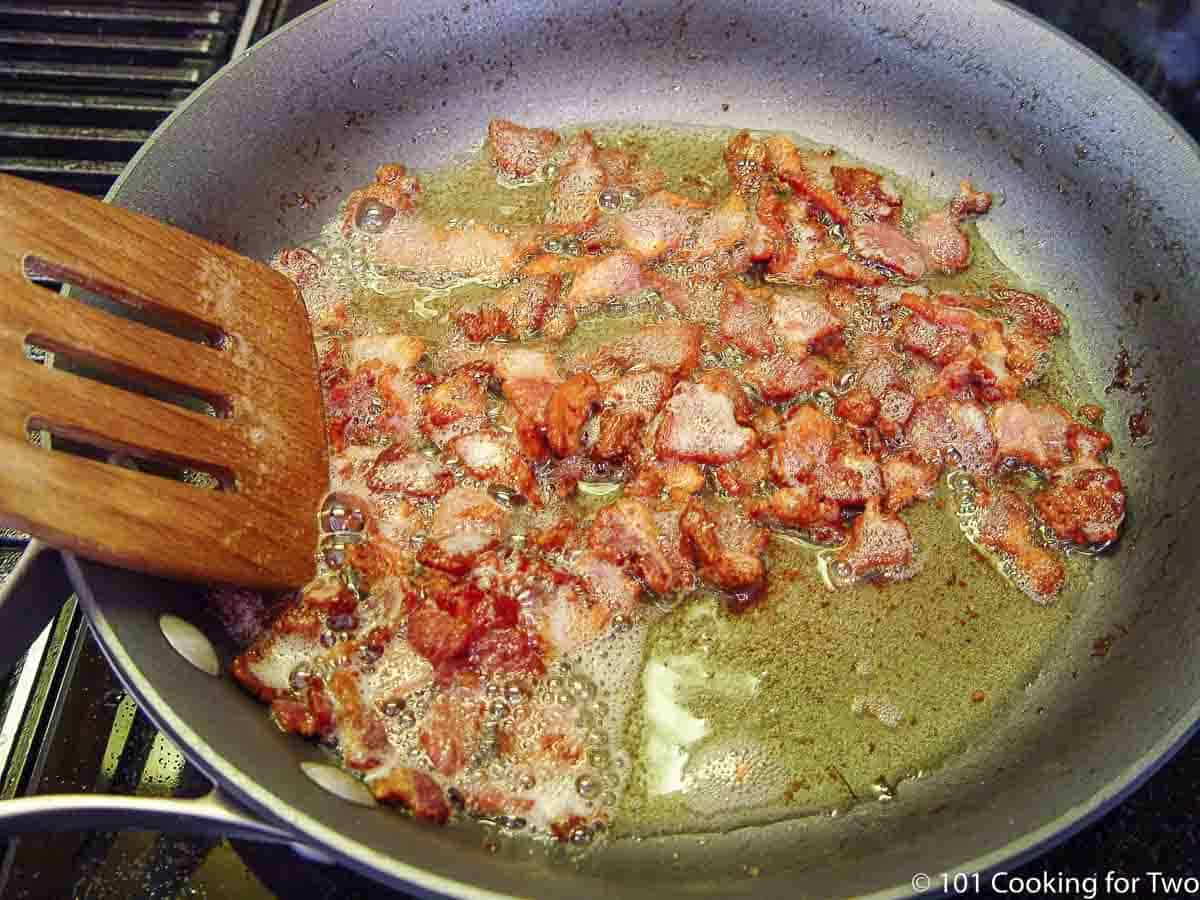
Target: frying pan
1099 208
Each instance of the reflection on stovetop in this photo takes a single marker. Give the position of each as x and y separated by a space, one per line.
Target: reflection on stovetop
67 725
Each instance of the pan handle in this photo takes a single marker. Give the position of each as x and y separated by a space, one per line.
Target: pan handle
32 595
212 814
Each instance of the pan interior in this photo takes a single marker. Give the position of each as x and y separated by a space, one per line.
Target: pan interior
1098 211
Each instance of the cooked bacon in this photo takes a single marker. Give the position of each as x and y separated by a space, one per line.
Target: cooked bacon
431 252
652 230
937 330
397 470
508 653
945 245
415 791
362 738
727 547
880 545
516 311
850 476
675 547
400 351
604 279
393 187
607 583
801 507
800 173
576 193
1028 312
746 161
450 731
678 480
618 433
745 320
785 377
625 169
310 715
740 477
519 151
697 297
719 231
1036 435
943 431
803 250
491 457
302 266
437 635
723 381
644 390
568 409
528 378
672 347
803 321
624 532
804 446
906 479
1085 502
857 407
1004 526
456 406
467 522
699 425
884 243
866 194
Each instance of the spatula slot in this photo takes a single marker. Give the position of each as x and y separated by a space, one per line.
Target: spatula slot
89 365
75 441
119 300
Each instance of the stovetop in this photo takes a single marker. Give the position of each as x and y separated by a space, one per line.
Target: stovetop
81 85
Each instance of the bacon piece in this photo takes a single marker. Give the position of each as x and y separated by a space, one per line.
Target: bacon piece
803 321
301 265
397 470
678 479
1004 526
726 545
941 431
1028 312
393 187
518 151
400 351
568 409
449 734
619 431
784 376
746 161
850 476
516 311
720 230
436 254
725 382
937 330
740 477
883 243
1036 435
437 635
576 193
507 652
744 319
605 278
625 533
879 545
653 229
362 738
415 791
623 168
645 390
491 456
800 173
672 347
866 194
803 249
528 378
456 406
311 715
945 246
1085 502
467 522
699 425
906 479
801 507
804 446
858 407
607 583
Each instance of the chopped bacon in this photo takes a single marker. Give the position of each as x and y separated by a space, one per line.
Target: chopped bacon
516 311
653 229
1028 312
1036 435
1004 526
672 347
302 266
857 406
415 791
401 351
801 507
785 377
906 479
678 480
623 168
850 476
374 401
741 476
942 431
436 634
456 406
569 407
432 252
607 583
945 245
803 249
937 330
744 319
720 230
396 470
800 174
528 379
393 187
1085 502
699 425
510 652
619 431
866 194
311 715
519 151
804 446
467 522
803 321
450 731
624 532
604 279
644 390
491 456
576 193
746 161
725 382
880 544
727 547
887 245
362 737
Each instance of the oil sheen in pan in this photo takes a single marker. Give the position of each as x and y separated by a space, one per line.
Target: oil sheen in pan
816 698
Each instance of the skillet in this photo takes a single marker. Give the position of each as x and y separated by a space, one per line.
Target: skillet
1098 209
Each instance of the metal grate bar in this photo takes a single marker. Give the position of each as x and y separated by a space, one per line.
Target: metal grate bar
186 74
203 43
50 100
218 14
35 166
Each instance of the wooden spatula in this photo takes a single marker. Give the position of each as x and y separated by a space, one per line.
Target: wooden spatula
254 363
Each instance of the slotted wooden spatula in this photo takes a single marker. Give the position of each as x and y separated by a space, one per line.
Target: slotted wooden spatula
254 362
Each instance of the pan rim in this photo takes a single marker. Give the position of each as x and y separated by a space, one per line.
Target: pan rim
366 859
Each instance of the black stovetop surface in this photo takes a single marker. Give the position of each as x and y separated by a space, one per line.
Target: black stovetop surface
82 733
